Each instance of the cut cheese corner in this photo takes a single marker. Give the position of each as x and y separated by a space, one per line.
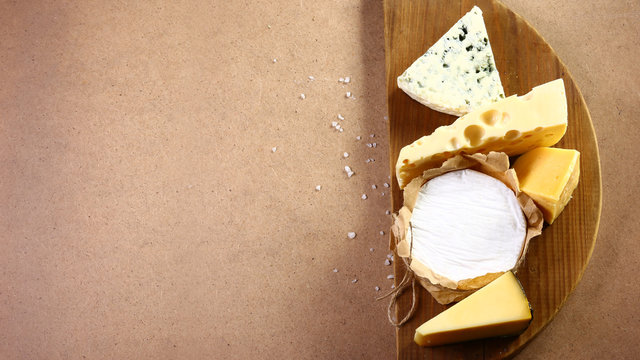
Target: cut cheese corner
499 309
549 176
513 125
458 73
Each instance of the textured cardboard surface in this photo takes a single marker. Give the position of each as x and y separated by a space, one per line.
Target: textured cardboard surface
144 215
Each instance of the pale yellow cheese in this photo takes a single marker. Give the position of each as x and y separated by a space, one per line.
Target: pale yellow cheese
549 176
498 309
513 125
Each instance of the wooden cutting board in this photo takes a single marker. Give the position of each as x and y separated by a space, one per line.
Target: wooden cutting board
556 260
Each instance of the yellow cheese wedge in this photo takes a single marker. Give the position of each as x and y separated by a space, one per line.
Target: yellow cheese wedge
498 309
513 125
549 176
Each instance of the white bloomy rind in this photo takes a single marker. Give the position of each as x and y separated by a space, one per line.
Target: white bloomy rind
466 224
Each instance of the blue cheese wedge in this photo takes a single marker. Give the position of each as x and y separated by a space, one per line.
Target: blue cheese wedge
458 73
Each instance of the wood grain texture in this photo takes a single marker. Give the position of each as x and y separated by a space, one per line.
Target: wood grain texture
556 259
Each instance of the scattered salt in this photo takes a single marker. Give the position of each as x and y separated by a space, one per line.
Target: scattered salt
302 96
371 249
381 232
348 94
340 117
387 262
345 155
377 288
273 149
364 196
347 80
311 78
335 270
369 145
334 123
374 186
358 137
374 144
275 60
349 172
318 187
393 286
388 212
351 235
354 281
372 135
386 185
341 80
390 277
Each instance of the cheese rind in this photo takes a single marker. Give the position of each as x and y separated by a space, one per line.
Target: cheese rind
498 309
514 125
549 176
466 224
458 73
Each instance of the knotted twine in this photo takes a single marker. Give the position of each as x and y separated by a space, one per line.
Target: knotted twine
409 279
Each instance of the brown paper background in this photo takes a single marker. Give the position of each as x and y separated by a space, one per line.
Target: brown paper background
143 214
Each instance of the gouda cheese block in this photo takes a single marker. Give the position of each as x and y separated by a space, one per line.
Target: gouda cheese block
549 176
498 309
514 125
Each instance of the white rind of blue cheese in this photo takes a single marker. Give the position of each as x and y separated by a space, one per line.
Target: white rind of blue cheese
458 73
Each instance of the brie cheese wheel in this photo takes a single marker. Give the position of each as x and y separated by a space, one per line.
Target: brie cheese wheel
458 73
466 224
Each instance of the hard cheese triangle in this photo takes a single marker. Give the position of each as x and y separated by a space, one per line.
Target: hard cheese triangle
498 309
458 73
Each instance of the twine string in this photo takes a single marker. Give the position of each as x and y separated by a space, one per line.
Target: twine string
408 279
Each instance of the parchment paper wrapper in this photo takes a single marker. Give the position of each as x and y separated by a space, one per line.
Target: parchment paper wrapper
495 164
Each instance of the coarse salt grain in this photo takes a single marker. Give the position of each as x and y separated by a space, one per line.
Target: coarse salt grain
371 249
275 60
390 277
374 144
372 135
335 270
341 129
273 149
341 80
381 232
374 186
334 123
377 288
302 96
311 78
364 196
340 117
386 185
318 187
354 281
351 235
367 161
369 145
389 256
347 80
349 172
393 286
345 155
358 137
388 212
348 94
387 262
382 193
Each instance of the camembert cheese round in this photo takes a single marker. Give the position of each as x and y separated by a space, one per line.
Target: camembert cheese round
466 224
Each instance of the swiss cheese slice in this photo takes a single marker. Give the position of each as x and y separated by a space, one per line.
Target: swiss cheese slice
464 225
498 309
513 126
549 176
458 73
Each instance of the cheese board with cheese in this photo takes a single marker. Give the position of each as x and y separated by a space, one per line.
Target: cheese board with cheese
555 259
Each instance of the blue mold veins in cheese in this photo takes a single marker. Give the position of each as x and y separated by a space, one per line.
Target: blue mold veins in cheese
458 73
